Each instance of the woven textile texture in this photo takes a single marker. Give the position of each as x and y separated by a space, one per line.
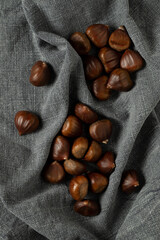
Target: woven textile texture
31 209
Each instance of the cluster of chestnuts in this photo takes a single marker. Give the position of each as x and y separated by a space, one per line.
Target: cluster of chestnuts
114 59
72 152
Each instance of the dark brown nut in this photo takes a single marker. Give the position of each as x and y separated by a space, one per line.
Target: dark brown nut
60 148
88 208
40 74
74 167
78 187
94 152
26 122
130 181
120 80
80 43
85 113
98 182
54 173
98 34
101 130
107 163
119 39
131 60
79 147
109 58
72 127
93 68
100 90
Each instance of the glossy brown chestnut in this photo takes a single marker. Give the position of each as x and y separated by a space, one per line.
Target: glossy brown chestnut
79 147
85 113
130 181
131 60
78 187
119 39
87 208
98 182
109 58
93 68
26 122
54 173
74 167
100 90
72 127
94 152
40 74
98 34
80 43
120 80
107 163
101 130
60 148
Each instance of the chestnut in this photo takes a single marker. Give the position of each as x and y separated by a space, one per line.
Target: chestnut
94 152
98 182
26 122
87 208
60 148
93 68
40 74
78 187
74 167
129 181
54 173
109 58
119 39
131 60
85 113
120 80
101 130
80 43
106 164
98 34
72 127
79 147
100 90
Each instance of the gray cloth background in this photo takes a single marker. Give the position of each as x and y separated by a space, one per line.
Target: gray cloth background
34 30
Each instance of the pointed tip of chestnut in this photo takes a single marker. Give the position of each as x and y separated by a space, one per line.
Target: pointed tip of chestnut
40 74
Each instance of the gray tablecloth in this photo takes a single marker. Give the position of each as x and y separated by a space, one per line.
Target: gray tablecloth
34 30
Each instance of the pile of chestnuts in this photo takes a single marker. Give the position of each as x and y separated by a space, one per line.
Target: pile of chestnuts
77 150
71 152
111 69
